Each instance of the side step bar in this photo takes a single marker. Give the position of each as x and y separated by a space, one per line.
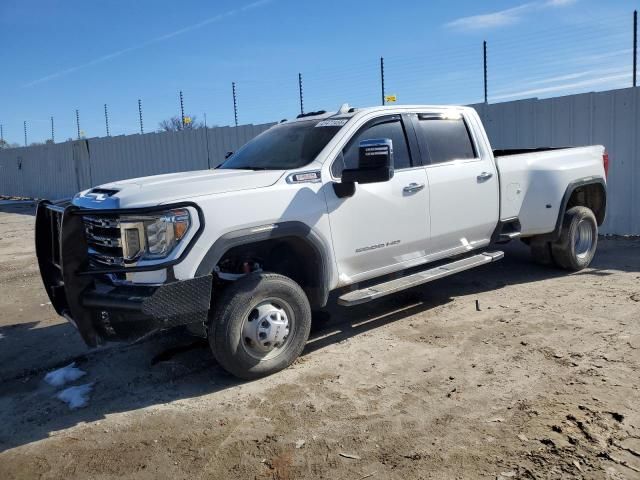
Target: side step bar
357 297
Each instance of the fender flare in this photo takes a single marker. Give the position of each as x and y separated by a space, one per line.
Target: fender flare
245 236
555 234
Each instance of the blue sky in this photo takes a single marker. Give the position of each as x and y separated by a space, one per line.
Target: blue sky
59 55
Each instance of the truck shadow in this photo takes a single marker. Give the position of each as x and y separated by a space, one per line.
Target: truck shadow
19 207
173 366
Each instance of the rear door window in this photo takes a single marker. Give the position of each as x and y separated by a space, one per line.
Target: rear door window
443 139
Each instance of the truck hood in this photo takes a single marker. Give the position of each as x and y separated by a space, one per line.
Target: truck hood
172 187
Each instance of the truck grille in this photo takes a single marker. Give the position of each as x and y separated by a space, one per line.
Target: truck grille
103 240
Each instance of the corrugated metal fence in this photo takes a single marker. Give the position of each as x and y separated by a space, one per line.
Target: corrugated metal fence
610 118
60 170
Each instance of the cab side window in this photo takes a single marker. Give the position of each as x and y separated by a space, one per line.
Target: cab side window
445 139
391 128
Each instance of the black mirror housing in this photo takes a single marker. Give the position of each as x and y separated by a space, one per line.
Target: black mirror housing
375 162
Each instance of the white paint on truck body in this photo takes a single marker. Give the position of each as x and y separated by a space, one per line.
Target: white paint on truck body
454 213
533 184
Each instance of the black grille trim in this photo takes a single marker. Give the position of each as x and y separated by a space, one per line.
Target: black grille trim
103 239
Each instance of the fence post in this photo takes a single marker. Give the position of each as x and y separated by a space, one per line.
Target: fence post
106 119
206 137
140 116
78 123
300 93
53 136
635 46
235 103
181 110
382 78
484 55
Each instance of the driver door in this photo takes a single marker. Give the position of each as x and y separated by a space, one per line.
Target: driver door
384 226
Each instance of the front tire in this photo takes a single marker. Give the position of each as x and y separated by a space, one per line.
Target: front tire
259 325
578 240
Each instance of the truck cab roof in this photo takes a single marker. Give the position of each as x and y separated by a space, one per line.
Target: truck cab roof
346 111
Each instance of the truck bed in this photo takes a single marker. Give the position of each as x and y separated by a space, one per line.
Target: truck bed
505 152
533 182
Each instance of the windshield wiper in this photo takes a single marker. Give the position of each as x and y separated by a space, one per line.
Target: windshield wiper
248 168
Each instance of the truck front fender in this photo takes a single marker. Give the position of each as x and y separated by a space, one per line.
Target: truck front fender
318 291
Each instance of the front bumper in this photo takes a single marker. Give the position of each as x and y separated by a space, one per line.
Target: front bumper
100 310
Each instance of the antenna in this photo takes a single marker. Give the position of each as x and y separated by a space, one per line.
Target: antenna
344 108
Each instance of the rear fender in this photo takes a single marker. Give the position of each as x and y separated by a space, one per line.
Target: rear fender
564 205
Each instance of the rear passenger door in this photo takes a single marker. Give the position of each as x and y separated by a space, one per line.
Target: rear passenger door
463 183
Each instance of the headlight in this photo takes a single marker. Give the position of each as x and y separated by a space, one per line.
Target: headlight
153 236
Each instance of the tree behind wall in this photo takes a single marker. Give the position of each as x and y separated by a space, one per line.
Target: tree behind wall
4 144
174 124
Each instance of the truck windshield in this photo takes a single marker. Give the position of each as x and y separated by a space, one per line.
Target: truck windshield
285 146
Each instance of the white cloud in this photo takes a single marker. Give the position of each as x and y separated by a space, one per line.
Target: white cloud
576 75
505 17
612 81
559 3
596 58
161 38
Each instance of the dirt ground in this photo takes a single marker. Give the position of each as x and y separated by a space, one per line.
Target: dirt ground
542 382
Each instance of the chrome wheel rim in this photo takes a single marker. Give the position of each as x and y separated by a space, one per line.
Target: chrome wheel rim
583 239
267 329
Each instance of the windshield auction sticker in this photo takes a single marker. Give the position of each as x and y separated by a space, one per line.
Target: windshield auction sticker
332 123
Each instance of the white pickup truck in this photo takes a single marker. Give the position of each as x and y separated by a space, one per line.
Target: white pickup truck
364 202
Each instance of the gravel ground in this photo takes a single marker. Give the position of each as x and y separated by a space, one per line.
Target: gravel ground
541 382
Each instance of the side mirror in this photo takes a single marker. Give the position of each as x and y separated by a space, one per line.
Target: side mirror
375 162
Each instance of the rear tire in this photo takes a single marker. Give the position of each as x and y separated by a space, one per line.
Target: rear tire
260 325
578 240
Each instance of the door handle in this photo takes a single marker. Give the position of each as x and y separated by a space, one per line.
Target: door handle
484 176
413 187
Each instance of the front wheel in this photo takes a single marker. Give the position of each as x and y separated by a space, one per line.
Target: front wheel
259 325
578 240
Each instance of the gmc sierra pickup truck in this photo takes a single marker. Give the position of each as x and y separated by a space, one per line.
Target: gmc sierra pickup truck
363 202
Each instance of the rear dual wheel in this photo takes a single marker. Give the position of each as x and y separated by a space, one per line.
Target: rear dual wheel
576 246
578 240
